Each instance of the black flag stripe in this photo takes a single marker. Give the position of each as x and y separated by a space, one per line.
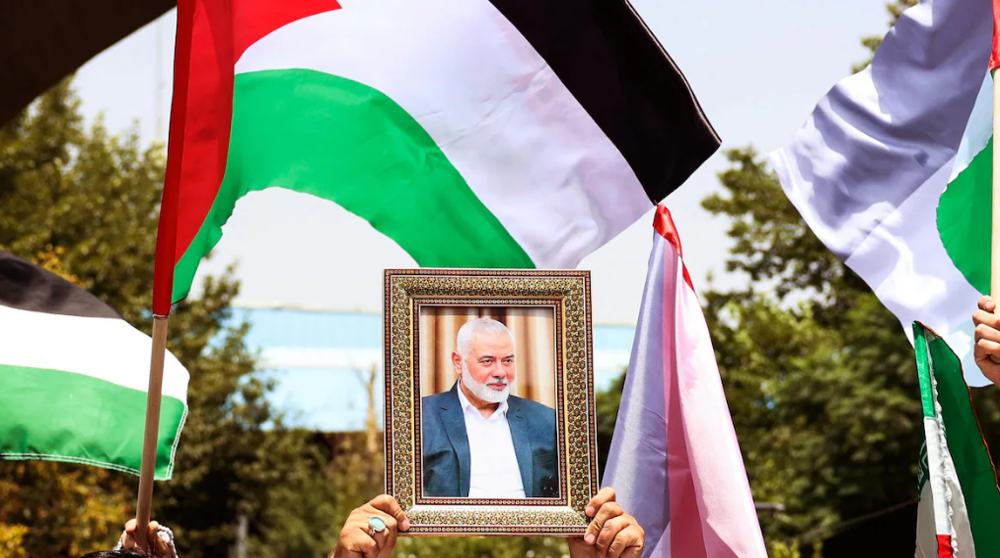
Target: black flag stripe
609 60
26 286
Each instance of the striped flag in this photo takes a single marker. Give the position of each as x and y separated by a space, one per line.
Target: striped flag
74 375
959 508
892 170
474 133
674 461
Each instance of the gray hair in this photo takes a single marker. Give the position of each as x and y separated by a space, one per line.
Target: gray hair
463 342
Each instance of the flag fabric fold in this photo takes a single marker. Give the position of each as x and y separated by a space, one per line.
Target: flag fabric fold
959 507
74 377
474 133
675 462
995 53
892 171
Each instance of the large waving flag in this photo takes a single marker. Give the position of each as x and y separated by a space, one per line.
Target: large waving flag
674 460
73 377
474 133
43 41
892 170
959 507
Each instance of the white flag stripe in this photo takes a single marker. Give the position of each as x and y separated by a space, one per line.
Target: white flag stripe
945 497
549 165
640 479
978 131
868 168
901 260
881 133
104 348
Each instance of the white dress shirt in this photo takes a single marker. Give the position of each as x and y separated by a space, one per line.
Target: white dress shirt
494 472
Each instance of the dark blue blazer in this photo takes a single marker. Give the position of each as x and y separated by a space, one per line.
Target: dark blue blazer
445 446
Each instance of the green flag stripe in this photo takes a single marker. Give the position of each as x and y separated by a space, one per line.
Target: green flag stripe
964 217
923 370
342 141
968 450
62 416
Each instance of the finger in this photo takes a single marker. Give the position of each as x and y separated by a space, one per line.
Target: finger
606 512
366 546
130 526
160 546
982 317
153 538
129 541
989 318
364 514
386 538
386 547
389 505
628 544
984 331
986 303
356 540
985 349
605 495
609 532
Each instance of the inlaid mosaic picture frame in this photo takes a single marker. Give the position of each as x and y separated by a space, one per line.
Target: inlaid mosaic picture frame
490 425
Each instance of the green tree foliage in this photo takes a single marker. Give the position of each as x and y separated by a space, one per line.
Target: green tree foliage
822 389
606 403
86 202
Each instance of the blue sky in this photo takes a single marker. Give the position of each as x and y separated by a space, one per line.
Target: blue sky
757 67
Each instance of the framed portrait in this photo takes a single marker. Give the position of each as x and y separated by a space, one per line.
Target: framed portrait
489 400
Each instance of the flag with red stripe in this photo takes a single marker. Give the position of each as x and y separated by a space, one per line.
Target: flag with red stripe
474 133
959 507
674 461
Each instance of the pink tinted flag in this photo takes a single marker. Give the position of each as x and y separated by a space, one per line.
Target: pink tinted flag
674 461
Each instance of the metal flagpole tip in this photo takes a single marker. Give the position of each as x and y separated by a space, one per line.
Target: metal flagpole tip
375 525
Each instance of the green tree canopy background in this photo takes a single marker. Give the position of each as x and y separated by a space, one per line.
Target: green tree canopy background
84 203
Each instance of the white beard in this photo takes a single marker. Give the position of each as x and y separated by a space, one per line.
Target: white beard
482 390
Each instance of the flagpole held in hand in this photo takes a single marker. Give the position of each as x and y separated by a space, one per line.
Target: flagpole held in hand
995 217
995 222
150 437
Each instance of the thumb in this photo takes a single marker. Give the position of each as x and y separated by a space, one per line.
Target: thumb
159 546
130 526
389 505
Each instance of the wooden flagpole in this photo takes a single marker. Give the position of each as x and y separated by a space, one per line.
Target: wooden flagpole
995 235
147 470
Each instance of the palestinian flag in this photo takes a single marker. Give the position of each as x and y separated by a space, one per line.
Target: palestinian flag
892 171
674 459
474 133
959 507
74 376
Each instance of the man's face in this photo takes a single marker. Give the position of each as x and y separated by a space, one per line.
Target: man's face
491 360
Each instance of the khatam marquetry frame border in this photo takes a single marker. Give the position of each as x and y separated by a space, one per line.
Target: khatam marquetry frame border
568 293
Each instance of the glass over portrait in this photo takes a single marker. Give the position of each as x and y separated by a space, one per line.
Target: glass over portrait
488 386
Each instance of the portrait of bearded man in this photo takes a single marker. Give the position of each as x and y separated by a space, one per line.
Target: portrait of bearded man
478 440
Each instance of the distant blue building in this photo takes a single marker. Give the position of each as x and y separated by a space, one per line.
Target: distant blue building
317 357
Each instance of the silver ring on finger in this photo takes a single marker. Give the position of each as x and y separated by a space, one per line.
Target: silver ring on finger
375 525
